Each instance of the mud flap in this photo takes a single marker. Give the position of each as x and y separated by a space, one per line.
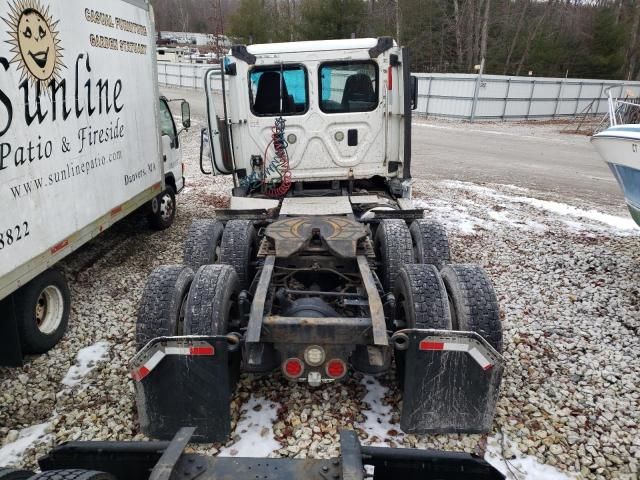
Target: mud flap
186 381
451 381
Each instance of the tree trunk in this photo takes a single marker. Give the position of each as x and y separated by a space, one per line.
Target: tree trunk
456 13
485 29
632 51
532 35
514 42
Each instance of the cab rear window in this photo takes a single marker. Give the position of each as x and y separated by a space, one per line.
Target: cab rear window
348 87
278 91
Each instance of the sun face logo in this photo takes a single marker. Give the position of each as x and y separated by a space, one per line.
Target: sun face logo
35 42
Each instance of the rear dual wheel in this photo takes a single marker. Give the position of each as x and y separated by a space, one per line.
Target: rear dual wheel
162 308
460 297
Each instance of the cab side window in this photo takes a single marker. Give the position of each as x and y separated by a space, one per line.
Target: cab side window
348 87
167 125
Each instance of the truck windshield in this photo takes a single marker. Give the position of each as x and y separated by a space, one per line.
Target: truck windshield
276 91
348 87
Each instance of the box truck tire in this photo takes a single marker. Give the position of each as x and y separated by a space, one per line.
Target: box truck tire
162 210
42 310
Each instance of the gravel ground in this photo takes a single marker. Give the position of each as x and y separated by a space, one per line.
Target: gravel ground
567 279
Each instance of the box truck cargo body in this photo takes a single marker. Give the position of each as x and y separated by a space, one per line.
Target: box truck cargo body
85 139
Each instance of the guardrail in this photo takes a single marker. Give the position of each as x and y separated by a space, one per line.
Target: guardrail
471 96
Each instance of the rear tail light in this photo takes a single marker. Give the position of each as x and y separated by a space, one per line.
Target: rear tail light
336 368
390 79
293 367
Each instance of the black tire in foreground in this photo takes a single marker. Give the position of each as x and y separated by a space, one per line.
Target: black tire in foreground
394 249
473 302
11 474
162 307
202 245
42 309
430 243
73 475
239 248
421 299
212 302
162 210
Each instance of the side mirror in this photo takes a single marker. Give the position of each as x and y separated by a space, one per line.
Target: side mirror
186 114
414 92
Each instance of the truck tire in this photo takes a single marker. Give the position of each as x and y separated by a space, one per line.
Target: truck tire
421 299
42 310
163 304
162 210
430 243
212 301
73 475
11 474
394 249
202 246
473 302
238 249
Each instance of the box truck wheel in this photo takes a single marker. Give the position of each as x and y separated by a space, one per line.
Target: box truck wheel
163 303
238 248
42 308
73 475
202 246
213 301
11 474
430 243
473 302
162 210
394 249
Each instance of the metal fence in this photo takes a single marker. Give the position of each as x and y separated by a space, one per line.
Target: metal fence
498 97
475 97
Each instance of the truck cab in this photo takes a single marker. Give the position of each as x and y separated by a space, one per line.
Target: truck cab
341 109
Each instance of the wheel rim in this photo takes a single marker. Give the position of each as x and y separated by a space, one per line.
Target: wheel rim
166 207
49 309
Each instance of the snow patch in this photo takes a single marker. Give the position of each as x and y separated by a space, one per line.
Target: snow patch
12 453
378 419
255 429
604 221
519 466
86 360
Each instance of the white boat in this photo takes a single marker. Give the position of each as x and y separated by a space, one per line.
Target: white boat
619 146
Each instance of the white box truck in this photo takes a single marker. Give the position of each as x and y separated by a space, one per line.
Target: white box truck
85 139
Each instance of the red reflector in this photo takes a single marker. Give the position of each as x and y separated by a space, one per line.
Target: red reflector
205 351
139 374
390 79
116 211
336 368
425 345
293 367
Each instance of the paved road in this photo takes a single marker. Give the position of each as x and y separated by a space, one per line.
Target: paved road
564 164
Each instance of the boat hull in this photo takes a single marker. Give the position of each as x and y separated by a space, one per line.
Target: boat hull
620 148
